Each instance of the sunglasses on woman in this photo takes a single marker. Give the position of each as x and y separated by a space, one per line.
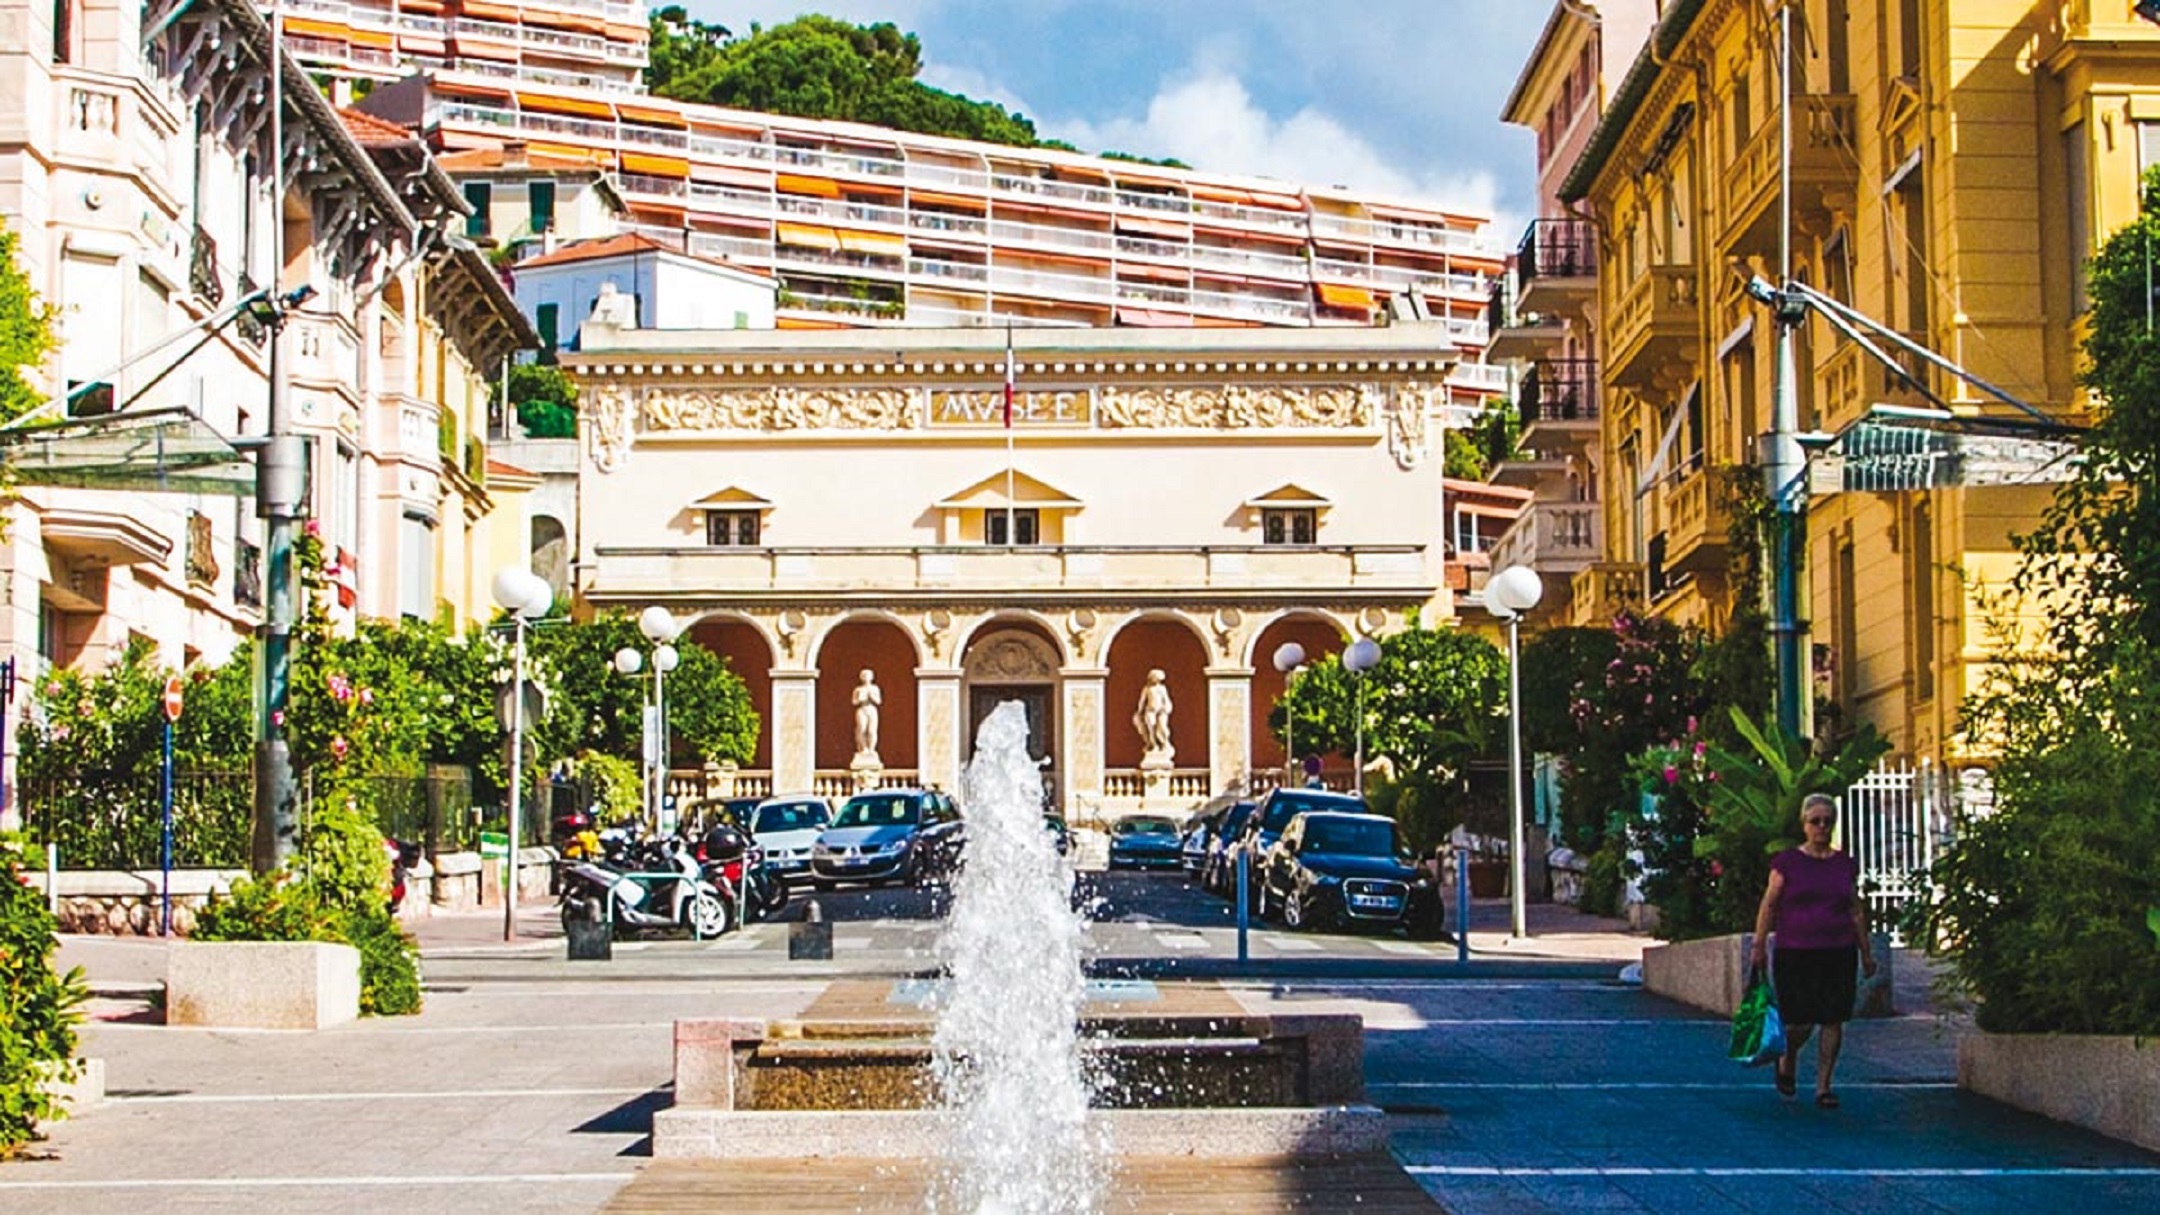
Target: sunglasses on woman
1819 822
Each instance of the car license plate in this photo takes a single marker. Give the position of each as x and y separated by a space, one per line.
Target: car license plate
1371 900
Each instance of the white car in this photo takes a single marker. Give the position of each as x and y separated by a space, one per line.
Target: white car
786 828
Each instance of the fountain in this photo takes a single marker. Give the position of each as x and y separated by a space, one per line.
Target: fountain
1006 1060
1020 1077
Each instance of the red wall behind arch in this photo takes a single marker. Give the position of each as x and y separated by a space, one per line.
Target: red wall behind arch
1172 647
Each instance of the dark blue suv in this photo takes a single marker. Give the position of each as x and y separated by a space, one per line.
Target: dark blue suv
1265 825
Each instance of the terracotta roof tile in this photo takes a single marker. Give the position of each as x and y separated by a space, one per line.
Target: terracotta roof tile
621 245
374 132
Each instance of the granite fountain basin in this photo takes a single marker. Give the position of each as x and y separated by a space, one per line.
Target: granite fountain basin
1179 1077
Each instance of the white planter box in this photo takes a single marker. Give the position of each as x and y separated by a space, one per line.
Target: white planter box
1711 974
2100 1082
262 984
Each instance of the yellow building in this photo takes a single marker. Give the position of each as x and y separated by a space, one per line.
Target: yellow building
1951 165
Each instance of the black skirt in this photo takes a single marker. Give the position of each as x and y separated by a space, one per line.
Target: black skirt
1815 986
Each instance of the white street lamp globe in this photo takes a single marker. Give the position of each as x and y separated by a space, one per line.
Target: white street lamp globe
664 658
517 589
1289 656
1362 656
1516 588
541 599
628 660
657 623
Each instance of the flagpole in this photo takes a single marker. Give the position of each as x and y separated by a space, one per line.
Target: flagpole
1011 537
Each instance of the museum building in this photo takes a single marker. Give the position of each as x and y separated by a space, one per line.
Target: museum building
841 511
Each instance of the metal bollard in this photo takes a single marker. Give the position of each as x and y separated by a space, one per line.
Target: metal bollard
1244 895
810 939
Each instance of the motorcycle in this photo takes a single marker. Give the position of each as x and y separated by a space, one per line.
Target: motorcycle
659 886
734 858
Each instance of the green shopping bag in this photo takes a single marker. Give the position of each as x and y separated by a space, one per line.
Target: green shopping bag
1758 1033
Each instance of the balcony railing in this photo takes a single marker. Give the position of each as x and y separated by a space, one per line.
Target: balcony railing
1557 248
1603 591
1554 537
1558 391
644 573
1822 160
1651 317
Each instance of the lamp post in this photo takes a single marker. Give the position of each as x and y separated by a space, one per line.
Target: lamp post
1362 656
1512 592
1289 656
524 595
659 627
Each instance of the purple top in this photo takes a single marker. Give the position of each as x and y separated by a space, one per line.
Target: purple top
1815 910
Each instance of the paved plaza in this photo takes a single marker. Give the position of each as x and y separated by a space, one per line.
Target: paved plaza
1531 1080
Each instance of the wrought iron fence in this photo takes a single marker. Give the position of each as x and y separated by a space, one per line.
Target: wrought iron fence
115 820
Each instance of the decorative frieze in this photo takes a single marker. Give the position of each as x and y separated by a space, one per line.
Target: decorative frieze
621 411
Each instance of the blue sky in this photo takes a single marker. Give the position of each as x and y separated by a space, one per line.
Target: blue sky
1395 96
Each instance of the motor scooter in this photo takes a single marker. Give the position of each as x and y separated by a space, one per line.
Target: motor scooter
675 893
733 859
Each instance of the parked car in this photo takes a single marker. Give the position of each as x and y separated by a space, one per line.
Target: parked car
1335 868
787 828
1265 825
1192 846
1060 834
891 835
1218 868
1140 840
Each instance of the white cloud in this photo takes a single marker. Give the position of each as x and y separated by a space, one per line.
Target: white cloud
1210 120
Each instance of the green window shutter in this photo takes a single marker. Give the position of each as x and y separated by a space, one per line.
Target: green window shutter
482 196
541 195
544 319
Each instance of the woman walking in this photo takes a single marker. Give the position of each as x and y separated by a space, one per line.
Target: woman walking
1814 904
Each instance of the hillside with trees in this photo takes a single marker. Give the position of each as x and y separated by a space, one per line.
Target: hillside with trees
821 67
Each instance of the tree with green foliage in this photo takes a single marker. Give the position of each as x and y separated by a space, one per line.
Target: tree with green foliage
819 67
1436 700
39 1006
546 400
1470 452
595 708
2048 909
26 332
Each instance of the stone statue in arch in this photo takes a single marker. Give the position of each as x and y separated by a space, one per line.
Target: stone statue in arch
867 700
1152 719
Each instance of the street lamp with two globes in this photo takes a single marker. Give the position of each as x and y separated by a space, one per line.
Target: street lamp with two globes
1289 657
659 627
1512 592
525 596
1361 656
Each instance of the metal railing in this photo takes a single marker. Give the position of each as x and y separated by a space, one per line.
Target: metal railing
1557 248
1560 390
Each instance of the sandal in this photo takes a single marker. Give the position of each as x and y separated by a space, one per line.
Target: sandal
1788 1083
1826 1101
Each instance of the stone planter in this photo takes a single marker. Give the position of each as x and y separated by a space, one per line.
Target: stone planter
262 984
2102 1083
1711 974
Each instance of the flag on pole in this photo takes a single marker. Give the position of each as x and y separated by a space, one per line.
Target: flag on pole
1008 377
